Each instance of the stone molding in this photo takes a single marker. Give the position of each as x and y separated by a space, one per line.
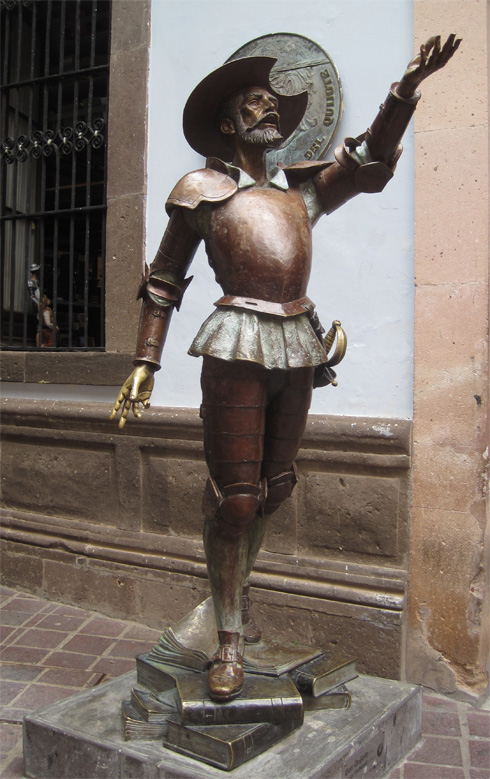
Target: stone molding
106 518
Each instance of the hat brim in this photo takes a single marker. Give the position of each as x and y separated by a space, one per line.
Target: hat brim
200 120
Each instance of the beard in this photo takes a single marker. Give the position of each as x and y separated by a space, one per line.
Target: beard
263 136
269 137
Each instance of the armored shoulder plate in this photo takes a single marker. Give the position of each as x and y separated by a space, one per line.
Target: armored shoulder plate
208 186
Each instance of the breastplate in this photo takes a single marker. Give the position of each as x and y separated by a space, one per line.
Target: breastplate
259 244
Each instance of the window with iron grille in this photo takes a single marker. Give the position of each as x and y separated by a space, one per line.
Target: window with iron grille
54 92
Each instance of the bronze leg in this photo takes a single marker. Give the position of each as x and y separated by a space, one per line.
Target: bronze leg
286 420
233 412
285 423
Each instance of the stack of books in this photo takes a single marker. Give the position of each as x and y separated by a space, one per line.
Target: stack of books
178 710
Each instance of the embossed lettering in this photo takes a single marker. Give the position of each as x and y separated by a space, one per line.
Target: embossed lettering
328 119
315 146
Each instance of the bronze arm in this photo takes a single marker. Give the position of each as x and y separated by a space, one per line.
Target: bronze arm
351 175
163 287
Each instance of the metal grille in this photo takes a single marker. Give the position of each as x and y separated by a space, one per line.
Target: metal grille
54 92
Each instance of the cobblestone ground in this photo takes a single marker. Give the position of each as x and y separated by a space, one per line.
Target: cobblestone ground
50 651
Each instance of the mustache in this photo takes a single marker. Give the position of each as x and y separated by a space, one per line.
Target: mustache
271 118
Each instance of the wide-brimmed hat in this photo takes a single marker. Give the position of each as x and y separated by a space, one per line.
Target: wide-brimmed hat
200 119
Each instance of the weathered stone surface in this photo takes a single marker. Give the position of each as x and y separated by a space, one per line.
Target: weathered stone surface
282 527
22 565
130 25
350 513
164 600
128 70
121 522
12 366
449 629
125 252
98 368
173 490
82 737
377 644
63 480
78 581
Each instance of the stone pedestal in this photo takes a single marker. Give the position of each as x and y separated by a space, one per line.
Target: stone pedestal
82 736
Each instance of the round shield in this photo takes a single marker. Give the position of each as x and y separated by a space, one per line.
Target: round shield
301 66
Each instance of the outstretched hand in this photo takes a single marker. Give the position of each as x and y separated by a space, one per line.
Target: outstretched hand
135 390
430 59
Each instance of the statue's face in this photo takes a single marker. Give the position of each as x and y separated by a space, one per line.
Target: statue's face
254 117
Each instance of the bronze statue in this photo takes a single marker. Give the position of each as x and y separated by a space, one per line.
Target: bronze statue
260 347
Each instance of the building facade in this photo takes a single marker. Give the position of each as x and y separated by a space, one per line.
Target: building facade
381 549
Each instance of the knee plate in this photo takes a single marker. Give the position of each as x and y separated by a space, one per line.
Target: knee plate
235 506
279 488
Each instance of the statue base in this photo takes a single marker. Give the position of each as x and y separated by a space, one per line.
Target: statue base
82 737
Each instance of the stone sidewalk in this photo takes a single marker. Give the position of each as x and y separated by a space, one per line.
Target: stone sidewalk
49 651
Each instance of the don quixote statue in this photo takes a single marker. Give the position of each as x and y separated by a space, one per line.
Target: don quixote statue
262 347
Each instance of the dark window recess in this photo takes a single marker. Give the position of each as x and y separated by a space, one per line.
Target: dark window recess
54 90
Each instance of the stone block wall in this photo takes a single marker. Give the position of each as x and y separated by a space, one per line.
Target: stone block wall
449 626
112 520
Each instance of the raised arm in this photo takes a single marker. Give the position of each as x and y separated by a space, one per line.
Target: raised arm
366 163
162 288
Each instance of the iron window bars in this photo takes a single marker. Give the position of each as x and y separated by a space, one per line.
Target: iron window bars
54 93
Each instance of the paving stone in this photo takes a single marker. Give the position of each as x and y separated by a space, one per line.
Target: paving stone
9 690
28 605
70 660
88 645
113 666
424 771
479 773
479 723
33 620
39 695
42 639
17 618
61 623
5 632
6 593
440 723
104 627
439 751
439 703
71 611
68 677
123 648
12 714
14 770
480 753
9 736
22 654
19 673
142 633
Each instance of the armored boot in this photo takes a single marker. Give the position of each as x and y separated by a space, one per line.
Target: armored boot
225 677
251 632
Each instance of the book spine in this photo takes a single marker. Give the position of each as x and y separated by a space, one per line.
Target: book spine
273 710
226 754
330 700
258 741
327 682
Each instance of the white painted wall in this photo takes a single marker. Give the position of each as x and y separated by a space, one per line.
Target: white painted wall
363 254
